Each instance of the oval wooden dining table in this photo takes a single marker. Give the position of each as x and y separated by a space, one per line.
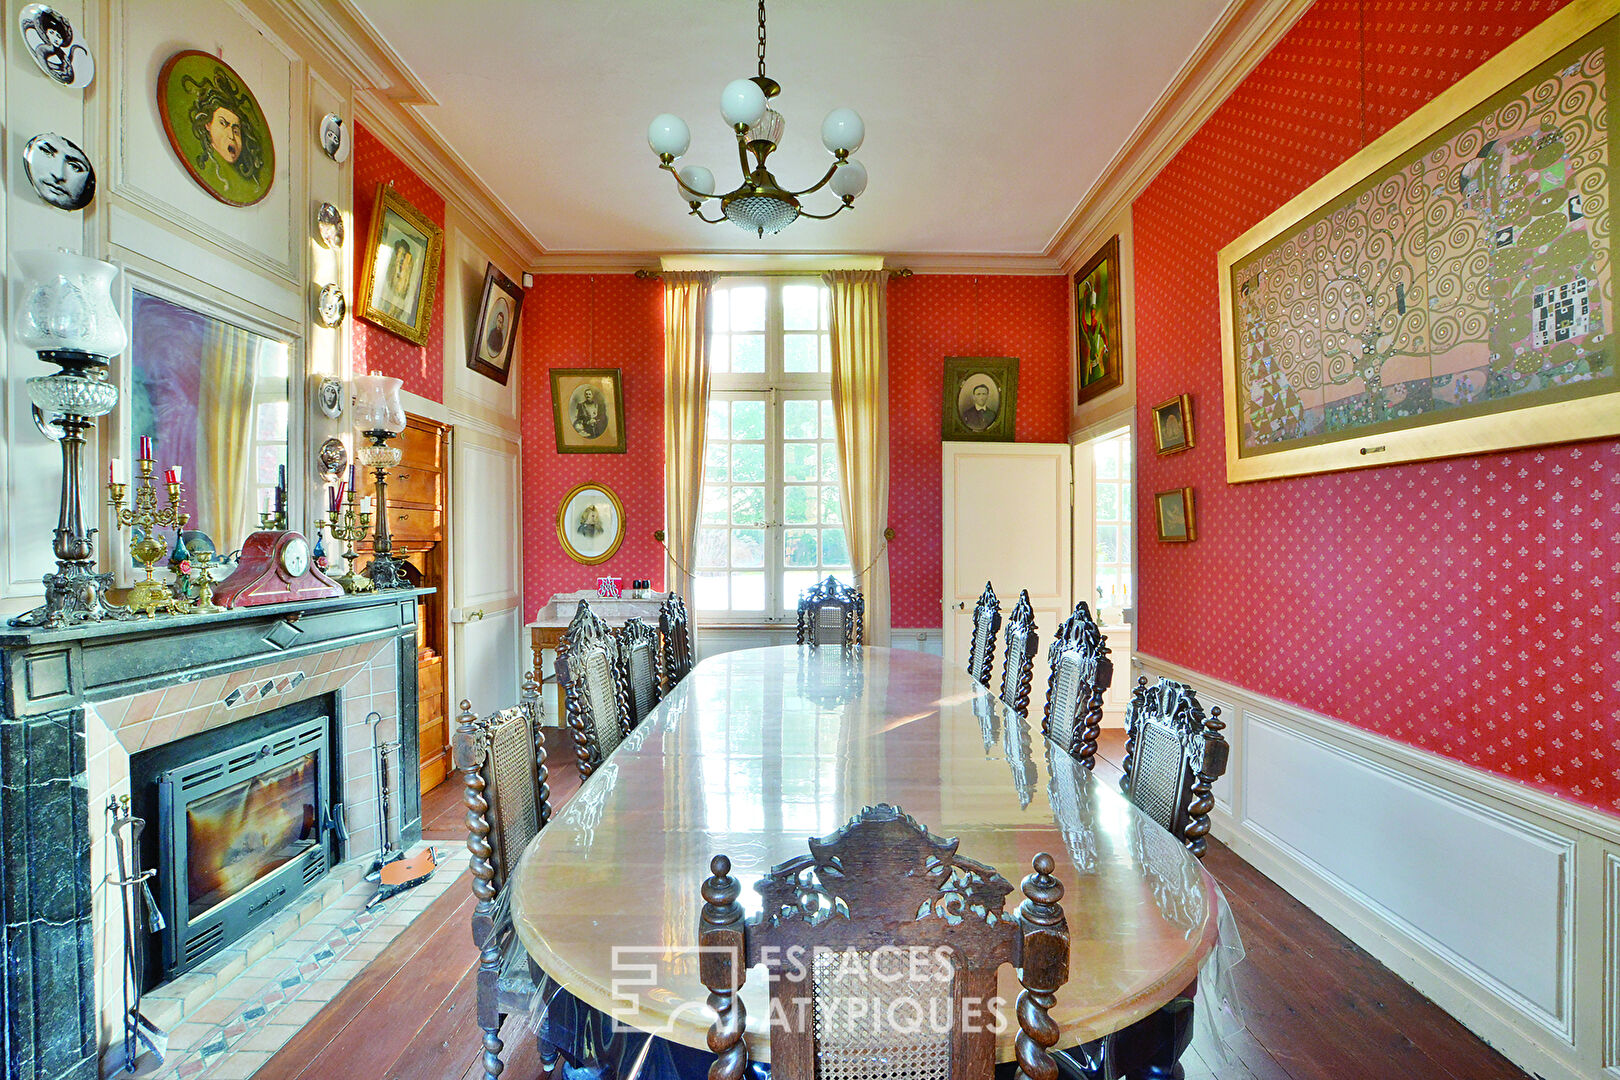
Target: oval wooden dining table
756 751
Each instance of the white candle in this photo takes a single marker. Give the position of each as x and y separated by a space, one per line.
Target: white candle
177 476
264 501
365 504
120 475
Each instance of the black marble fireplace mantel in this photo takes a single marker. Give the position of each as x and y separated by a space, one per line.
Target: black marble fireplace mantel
47 987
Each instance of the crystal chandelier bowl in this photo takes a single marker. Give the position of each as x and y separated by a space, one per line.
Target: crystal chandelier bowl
82 395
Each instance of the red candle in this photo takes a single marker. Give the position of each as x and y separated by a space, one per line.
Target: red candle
169 477
146 447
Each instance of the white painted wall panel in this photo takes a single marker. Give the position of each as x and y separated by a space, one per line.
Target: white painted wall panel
1490 890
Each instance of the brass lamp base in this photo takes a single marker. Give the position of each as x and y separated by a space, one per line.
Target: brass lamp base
74 594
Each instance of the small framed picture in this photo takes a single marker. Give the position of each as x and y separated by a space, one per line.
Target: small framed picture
981 395
1172 425
590 523
1175 514
401 267
490 352
588 406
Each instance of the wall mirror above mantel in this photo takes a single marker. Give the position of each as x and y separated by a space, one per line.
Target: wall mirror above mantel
217 393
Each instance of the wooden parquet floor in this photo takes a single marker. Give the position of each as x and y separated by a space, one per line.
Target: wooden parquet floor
1317 1007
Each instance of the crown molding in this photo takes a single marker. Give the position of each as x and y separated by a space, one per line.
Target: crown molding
1246 31
625 262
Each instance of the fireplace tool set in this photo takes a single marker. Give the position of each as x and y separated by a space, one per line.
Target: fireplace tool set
394 871
141 1036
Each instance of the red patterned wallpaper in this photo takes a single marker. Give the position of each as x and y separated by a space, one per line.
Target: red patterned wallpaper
600 321
375 349
938 315
1469 606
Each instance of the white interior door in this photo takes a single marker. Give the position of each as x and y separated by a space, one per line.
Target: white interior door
486 614
1007 521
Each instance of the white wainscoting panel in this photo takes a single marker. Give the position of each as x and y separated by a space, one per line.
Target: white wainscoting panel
1491 891
1498 901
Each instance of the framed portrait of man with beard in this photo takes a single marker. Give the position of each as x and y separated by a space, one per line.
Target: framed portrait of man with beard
216 128
587 405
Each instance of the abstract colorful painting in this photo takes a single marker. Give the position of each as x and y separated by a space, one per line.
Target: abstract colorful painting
1469 277
1097 345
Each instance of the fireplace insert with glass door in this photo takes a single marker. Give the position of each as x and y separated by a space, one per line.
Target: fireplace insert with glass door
242 832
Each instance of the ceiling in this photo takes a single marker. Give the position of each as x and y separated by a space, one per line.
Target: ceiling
986 123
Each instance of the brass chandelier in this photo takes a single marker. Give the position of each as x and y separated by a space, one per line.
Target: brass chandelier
760 204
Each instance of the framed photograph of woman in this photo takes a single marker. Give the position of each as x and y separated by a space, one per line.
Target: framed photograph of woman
590 523
1172 425
1174 510
495 335
216 127
588 407
981 395
401 267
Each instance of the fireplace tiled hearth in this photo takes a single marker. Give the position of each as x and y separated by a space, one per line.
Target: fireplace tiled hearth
78 703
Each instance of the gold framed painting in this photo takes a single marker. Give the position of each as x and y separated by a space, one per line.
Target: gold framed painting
587 407
401 269
1448 290
1172 425
1173 510
1097 345
590 523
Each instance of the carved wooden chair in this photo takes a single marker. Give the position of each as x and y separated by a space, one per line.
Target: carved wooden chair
638 656
831 613
594 690
675 626
1081 674
982 649
502 758
841 933
1172 756
1018 658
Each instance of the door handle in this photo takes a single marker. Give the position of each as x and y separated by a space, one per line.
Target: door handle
471 615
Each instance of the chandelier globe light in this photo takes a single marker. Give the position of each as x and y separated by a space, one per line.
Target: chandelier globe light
760 204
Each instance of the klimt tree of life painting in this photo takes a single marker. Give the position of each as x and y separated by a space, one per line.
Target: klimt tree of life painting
1470 276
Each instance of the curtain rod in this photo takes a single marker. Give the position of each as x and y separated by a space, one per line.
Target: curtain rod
644 274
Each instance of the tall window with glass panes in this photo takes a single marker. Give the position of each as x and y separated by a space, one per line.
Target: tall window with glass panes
770 523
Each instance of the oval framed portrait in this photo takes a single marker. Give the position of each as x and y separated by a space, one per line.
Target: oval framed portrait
60 172
590 523
216 127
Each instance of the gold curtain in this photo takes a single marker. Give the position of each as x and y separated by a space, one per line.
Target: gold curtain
860 390
686 413
225 434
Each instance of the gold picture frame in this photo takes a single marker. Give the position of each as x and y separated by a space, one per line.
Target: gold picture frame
592 400
1098 346
400 299
590 523
1443 257
1173 425
1173 514
980 402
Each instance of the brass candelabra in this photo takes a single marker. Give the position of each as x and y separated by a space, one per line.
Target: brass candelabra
349 528
204 582
150 595
273 520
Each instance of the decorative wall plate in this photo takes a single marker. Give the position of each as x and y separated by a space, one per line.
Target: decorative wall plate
329 226
330 397
335 139
216 127
330 306
333 459
60 172
48 36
